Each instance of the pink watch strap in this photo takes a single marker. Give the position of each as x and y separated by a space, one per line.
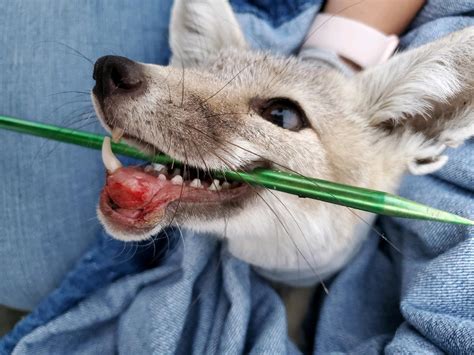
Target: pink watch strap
351 39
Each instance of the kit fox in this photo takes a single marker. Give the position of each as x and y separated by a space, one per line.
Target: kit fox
222 105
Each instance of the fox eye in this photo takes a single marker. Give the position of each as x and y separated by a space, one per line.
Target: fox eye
284 113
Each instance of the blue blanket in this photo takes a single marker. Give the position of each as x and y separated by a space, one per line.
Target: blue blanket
185 293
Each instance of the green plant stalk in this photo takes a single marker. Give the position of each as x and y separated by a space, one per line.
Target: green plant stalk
350 196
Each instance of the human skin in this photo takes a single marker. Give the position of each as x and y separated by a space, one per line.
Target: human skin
389 17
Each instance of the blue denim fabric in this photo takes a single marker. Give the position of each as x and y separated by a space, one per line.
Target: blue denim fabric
274 12
418 300
49 190
284 39
199 299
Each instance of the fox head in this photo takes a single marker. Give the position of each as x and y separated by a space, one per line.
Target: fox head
221 105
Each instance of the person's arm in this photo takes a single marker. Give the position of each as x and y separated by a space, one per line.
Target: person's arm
390 17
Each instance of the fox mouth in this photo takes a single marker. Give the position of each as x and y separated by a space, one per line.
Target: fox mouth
136 199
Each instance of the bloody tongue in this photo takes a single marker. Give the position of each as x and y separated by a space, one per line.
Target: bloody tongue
131 188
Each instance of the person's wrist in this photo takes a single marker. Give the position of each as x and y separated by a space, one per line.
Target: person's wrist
389 17
359 45
386 16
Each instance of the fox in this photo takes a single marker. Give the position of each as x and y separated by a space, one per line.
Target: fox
221 105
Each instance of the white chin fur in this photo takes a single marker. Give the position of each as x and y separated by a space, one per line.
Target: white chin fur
125 236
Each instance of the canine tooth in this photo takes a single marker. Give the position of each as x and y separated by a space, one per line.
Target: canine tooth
177 180
162 177
117 134
196 183
110 160
225 185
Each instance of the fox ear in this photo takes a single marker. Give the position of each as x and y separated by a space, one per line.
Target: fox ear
423 100
200 28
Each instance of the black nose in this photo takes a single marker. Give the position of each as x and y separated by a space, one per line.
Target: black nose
116 75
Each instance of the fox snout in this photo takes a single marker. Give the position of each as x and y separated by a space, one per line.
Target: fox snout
116 75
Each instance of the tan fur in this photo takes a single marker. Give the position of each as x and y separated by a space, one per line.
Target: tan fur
365 131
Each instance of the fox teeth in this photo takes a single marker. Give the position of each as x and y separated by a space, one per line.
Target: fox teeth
177 180
196 183
162 177
215 186
158 167
117 134
225 185
111 162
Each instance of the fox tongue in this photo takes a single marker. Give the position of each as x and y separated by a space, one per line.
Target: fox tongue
131 188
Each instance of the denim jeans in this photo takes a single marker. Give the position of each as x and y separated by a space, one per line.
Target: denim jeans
49 191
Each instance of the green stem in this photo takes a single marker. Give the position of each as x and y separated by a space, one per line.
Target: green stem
350 196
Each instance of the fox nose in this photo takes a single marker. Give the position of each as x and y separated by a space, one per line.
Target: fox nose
116 75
